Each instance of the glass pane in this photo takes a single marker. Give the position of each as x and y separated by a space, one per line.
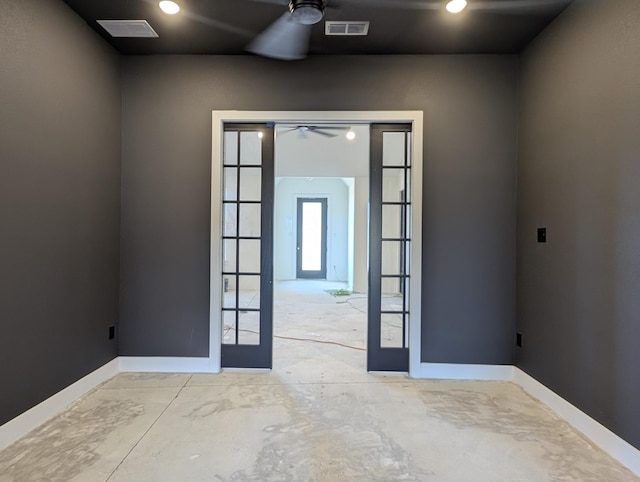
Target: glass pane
392 301
407 261
229 219
407 189
230 184
250 184
250 220
392 260
393 185
392 220
250 148
249 292
391 331
405 285
311 236
229 291
249 256
229 327
393 148
229 256
249 328
230 148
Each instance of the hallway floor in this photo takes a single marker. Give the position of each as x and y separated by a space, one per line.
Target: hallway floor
317 416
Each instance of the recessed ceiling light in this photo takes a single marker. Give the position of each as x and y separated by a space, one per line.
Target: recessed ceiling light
456 6
351 135
169 7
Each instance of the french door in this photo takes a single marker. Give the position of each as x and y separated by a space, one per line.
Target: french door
247 245
389 247
311 243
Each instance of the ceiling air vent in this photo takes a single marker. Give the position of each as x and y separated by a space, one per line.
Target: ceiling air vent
346 28
128 28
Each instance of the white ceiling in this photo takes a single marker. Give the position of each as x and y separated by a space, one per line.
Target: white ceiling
319 156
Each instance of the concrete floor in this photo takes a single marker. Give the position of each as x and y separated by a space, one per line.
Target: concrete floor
317 416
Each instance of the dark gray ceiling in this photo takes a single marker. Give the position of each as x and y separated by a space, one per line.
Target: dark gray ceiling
397 26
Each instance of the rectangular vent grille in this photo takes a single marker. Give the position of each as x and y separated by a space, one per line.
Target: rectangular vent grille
128 28
346 28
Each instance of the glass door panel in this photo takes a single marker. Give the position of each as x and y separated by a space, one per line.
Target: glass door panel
390 240
247 228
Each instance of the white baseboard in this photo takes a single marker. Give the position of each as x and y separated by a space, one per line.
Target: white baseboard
164 364
32 418
450 371
619 449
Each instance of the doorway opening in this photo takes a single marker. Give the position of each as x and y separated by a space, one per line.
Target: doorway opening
395 161
320 239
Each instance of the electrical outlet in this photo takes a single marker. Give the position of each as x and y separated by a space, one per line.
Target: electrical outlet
112 332
542 235
519 340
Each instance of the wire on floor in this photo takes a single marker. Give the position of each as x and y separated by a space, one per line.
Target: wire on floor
325 342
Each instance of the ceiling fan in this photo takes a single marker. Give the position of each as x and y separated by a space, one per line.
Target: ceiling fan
288 37
303 130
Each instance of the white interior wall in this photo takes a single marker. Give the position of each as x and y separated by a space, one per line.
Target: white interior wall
316 156
361 234
351 186
288 190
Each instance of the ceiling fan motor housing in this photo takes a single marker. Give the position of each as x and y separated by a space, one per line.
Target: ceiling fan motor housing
307 12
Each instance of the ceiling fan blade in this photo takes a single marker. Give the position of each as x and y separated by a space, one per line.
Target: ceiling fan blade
330 128
211 22
322 133
285 39
284 131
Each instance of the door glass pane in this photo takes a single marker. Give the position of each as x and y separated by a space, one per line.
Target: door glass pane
231 148
230 184
229 291
392 257
392 301
393 148
230 219
249 328
391 330
249 292
228 257
392 221
392 185
250 148
250 184
229 327
250 220
249 252
311 236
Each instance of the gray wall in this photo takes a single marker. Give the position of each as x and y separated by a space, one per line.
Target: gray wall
579 176
60 113
470 105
